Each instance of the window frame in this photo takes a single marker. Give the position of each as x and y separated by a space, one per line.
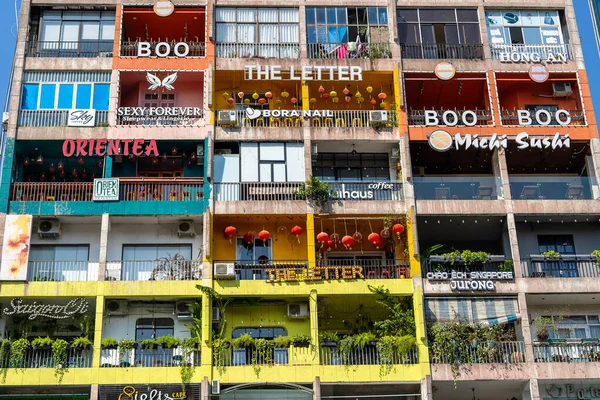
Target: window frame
505 29
456 23
57 86
102 19
332 164
358 25
257 25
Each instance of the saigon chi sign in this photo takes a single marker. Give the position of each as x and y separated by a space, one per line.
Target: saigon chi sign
54 311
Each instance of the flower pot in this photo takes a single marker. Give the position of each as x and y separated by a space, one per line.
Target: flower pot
113 347
301 344
372 343
42 347
328 344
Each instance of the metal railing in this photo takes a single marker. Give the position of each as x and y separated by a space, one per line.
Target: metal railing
487 353
61 49
367 191
44 358
154 270
349 50
566 266
52 191
368 355
455 188
514 52
567 352
138 357
59 271
196 49
547 187
442 264
256 191
370 268
253 270
472 51
417 117
511 118
244 356
58 118
161 189
259 50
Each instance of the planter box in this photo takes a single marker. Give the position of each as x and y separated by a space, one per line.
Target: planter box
568 257
302 344
497 258
328 344
437 259
116 346
585 257
536 257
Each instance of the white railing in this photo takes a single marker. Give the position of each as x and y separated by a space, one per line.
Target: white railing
263 50
154 270
487 353
514 52
243 356
139 357
38 118
368 355
326 119
60 271
256 191
417 117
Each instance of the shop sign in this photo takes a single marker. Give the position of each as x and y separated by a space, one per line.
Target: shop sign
253 113
444 71
54 311
163 8
569 391
369 194
162 49
476 281
539 73
305 73
155 82
549 58
148 392
158 115
109 147
81 118
313 274
442 141
469 118
106 189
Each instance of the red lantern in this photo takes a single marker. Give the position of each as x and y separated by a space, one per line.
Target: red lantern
183 155
329 244
155 161
230 100
347 98
374 238
100 163
74 173
296 231
230 232
80 160
262 101
131 158
241 95
321 90
249 237
173 163
348 242
174 151
325 96
385 233
346 91
61 166
43 177
382 95
398 229
51 169
193 156
53 178
164 157
40 160
268 95
62 174
373 101
26 162
84 174
264 235
294 100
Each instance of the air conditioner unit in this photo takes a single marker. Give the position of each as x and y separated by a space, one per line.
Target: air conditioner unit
186 228
215 387
226 118
49 229
299 310
183 309
200 154
224 271
216 315
561 89
116 307
379 118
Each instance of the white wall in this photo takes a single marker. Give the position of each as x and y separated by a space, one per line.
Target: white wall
75 234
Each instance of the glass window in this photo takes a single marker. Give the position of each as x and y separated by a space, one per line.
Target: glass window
47 96
101 96
155 252
153 328
29 98
259 333
65 96
341 25
257 251
51 31
83 96
446 26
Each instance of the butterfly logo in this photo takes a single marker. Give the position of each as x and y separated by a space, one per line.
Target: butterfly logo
155 81
252 113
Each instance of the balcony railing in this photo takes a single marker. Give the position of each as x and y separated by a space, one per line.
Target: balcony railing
58 49
567 352
506 52
154 270
55 118
493 263
566 266
349 50
139 357
368 355
259 50
332 119
488 353
442 51
417 117
59 271
44 358
253 270
539 187
52 191
455 188
275 356
197 49
367 190
511 118
256 191
371 268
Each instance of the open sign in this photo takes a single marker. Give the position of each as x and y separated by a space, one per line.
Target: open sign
106 189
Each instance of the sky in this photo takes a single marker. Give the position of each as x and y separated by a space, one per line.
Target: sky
8 33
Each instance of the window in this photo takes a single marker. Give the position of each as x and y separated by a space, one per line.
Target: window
259 333
58 263
525 27
562 244
551 108
153 328
239 30
337 25
574 327
64 96
139 261
345 167
257 252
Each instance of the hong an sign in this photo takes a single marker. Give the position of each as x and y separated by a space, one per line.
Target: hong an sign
159 115
304 73
55 311
109 147
106 189
533 58
462 281
81 118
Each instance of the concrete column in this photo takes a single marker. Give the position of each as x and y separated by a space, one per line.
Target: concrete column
307 157
406 166
205 389
94 392
113 103
206 240
317 388
526 329
534 389
487 53
98 331
314 325
501 174
103 256
205 349
426 390
302 31
310 234
594 168
511 226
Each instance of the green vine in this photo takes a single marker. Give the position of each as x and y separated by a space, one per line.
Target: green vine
393 350
18 349
507 266
220 345
596 253
4 352
125 347
187 368
315 191
261 354
551 254
59 351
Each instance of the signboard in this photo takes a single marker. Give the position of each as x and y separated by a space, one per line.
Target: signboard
54 311
15 247
548 58
305 73
539 73
149 392
571 391
366 192
109 147
444 71
163 8
442 141
313 274
469 117
462 281
81 118
162 49
106 189
253 113
155 82
159 115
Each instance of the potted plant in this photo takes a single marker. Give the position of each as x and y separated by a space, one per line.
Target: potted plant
261 354
301 340
190 343
282 342
149 344
541 328
109 343
81 343
125 346
551 255
328 339
243 342
18 348
59 351
168 342
41 343
363 339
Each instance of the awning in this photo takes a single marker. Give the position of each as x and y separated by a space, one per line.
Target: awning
485 310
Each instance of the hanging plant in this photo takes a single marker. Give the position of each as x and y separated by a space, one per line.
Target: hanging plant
125 347
18 349
82 343
168 342
393 350
41 343
4 362
315 191
109 343
282 342
261 354
59 351
186 369
149 344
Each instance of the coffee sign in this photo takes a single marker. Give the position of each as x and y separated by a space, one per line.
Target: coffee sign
476 281
106 189
81 118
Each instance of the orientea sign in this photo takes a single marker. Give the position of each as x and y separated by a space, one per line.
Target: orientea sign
305 73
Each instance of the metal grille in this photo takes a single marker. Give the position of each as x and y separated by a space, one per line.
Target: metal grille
66 76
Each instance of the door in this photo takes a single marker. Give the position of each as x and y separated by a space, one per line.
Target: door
564 245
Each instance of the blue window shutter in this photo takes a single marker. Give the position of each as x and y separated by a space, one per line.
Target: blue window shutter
47 96
65 96
30 96
84 92
101 96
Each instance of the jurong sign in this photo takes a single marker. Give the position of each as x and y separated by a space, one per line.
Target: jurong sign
461 281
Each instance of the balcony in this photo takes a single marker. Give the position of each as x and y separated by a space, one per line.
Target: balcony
250 270
276 356
515 52
256 191
368 355
143 358
62 271
196 49
369 268
44 358
442 51
337 51
54 118
567 351
258 50
58 49
154 270
455 188
511 118
541 187
565 266
417 117
367 191
491 352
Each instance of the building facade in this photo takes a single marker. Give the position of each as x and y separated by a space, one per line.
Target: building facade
230 199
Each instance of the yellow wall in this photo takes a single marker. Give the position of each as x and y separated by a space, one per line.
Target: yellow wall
264 316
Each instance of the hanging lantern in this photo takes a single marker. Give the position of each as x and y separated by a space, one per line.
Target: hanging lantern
225 95
131 158
325 96
382 104
80 160
347 98
346 91
173 163
285 94
241 95
60 166
189 163
373 101
51 169
335 237
43 177
385 233
164 157
357 94
264 235
193 156
62 174
336 99
322 238
174 151
262 101
348 242
230 100
398 229
40 160
321 90
333 93
375 239
296 231
74 173
255 95
269 94
230 232
359 100
369 89
183 155
93 175
357 236
100 163
249 238
246 101
278 101
84 174
294 100
53 178
329 244
382 95
155 161
26 162
313 100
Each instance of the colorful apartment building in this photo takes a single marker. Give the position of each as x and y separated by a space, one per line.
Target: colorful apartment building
240 200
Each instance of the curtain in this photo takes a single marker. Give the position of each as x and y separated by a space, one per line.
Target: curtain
246 15
288 15
51 31
268 15
268 33
223 14
288 33
90 30
226 33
